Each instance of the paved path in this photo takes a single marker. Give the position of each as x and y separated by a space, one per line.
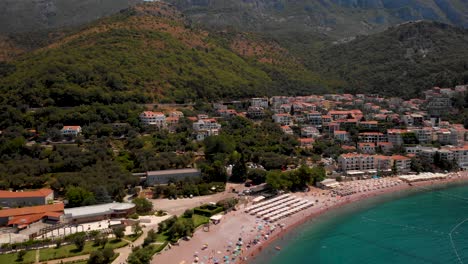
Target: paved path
124 252
64 260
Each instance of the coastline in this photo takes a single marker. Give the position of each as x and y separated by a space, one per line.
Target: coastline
239 224
352 199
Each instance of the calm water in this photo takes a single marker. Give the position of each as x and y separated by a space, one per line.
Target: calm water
406 227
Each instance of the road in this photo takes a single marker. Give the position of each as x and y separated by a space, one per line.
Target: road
177 207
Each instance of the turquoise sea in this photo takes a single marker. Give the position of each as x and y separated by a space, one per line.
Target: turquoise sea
409 227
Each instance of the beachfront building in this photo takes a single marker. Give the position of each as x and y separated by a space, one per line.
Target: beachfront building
92 213
373 163
165 176
26 198
151 118
401 163
354 161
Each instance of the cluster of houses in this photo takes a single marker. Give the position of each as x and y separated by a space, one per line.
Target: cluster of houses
384 123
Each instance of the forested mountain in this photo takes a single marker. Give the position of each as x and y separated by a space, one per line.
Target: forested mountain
42 15
335 18
150 53
401 61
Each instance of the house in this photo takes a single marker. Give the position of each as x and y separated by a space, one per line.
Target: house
26 198
395 136
314 118
287 130
372 137
165 176
151 118
71 130
206 124
255 112
310 132
385 147
306 142
259 102
341 135
172 120
424 134
200 135
178 114
368 148
227 113
282 119
369 124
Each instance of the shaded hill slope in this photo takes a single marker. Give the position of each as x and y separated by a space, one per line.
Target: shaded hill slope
402 60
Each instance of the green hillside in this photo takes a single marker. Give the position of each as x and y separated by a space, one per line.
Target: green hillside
148 53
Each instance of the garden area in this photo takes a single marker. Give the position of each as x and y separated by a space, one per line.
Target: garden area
28 257
71 250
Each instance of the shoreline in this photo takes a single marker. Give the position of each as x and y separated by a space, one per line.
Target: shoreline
351 199
238 224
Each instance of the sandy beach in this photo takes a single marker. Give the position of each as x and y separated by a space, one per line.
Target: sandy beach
240 235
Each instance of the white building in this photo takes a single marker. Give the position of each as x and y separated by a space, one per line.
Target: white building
259 102
282 119
71 130
154 119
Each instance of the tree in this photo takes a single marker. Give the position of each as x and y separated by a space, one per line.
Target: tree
79 240
257 176
142 205
188 213
136 228
239 171
119 232
20 255
318 174
78 196
277 180
103 256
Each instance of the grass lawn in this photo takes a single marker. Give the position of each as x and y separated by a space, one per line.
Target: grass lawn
132 237
70 250
30 257
199 220
162 237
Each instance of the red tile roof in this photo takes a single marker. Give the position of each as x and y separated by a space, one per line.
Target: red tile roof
37 193
32 210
